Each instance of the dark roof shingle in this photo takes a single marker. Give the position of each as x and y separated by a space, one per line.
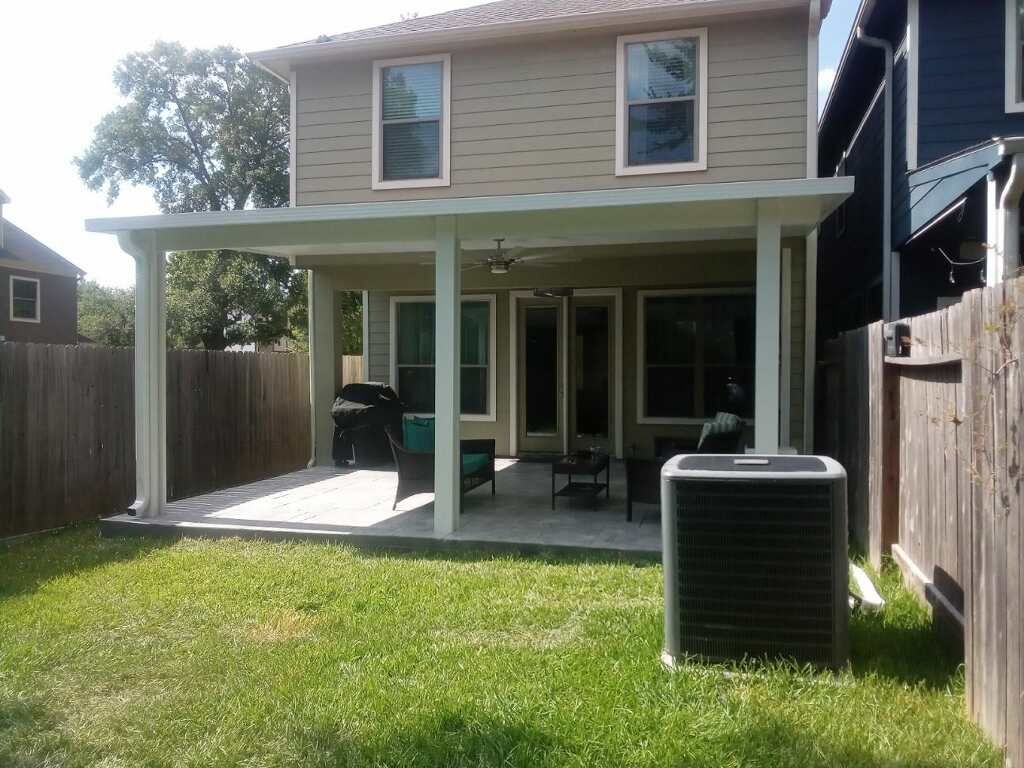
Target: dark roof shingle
19 245
500 12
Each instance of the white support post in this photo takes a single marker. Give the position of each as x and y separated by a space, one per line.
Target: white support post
150 375
447 357
321 365
768 310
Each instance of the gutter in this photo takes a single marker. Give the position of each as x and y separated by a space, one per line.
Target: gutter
1008 245
890 299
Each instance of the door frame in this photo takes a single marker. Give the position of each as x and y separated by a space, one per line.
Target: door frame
617 373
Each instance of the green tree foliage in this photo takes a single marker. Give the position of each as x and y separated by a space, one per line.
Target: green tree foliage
106 315
206 130
351 308
219 298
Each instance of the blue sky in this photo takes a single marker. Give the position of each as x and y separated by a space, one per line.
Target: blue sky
834 33
66 88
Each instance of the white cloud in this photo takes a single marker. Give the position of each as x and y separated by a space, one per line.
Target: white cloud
64 54
826 76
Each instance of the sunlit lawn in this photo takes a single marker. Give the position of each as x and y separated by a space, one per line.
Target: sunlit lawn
232 653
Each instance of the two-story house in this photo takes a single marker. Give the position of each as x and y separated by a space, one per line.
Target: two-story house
577 224
953 196
38 289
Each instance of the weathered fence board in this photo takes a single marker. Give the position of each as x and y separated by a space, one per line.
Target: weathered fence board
951 447
67 435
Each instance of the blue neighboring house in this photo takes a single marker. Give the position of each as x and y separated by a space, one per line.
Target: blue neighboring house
957 104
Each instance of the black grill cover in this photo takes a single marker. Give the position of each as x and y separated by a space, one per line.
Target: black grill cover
361 412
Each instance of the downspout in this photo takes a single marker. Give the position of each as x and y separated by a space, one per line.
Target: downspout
1009 207
890 303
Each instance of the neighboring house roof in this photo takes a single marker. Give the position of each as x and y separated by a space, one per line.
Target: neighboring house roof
31 255
505 18
858 76
4 199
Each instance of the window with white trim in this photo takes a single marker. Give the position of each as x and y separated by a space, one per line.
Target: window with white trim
696 355
24 299
410 122
1014 55
662 102
413 345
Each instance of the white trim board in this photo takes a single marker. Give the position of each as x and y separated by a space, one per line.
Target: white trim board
492 352
813 33
700 161
376 142
913 44
39 299
1014 77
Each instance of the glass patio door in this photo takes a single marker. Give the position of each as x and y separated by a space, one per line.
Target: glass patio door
540 376
591 386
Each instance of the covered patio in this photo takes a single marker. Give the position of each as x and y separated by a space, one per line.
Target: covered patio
728 235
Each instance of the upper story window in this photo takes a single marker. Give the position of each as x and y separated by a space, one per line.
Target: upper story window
661 110
24 299
1015 55
411 126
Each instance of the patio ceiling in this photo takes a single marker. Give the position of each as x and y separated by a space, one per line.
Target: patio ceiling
648 214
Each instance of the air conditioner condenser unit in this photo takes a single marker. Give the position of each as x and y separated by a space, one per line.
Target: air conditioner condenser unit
755 559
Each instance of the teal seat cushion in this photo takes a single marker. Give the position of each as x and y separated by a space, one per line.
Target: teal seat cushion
418 434
474 462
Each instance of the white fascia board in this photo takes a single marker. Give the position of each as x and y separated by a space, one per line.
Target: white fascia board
839 187
280 60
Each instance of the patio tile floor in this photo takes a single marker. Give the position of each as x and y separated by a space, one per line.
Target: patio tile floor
355 504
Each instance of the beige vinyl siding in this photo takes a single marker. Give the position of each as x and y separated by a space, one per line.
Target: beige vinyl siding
380 350
540 117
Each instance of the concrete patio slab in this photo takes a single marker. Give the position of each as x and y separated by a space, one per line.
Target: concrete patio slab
355 505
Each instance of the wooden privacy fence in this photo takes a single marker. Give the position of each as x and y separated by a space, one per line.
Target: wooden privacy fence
67 435
933 449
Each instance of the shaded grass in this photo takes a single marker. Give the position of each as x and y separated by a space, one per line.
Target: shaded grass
223 653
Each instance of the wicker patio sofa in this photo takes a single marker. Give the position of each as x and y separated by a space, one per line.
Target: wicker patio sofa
414 460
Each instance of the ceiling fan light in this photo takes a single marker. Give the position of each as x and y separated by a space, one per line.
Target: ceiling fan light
499 268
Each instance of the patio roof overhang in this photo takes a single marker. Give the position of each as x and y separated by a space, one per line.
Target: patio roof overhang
645 214
764 211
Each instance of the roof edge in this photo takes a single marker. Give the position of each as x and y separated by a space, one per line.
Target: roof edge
864 12
278 60
469 206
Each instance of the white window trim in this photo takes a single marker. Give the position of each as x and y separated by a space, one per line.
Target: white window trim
622 168
1014 75
913 48
39 300
641 300
492 352
377 144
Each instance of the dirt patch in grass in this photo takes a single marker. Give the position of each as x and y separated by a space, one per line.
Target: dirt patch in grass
284 626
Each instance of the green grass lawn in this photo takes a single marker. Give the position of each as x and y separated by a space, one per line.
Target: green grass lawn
231 653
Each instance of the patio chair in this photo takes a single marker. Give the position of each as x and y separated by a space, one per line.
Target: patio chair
722 434
414 460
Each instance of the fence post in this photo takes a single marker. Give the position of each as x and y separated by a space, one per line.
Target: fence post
888 530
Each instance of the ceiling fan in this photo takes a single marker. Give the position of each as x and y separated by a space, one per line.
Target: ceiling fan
502 260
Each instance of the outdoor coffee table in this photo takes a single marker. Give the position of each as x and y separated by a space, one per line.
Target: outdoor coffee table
586 464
